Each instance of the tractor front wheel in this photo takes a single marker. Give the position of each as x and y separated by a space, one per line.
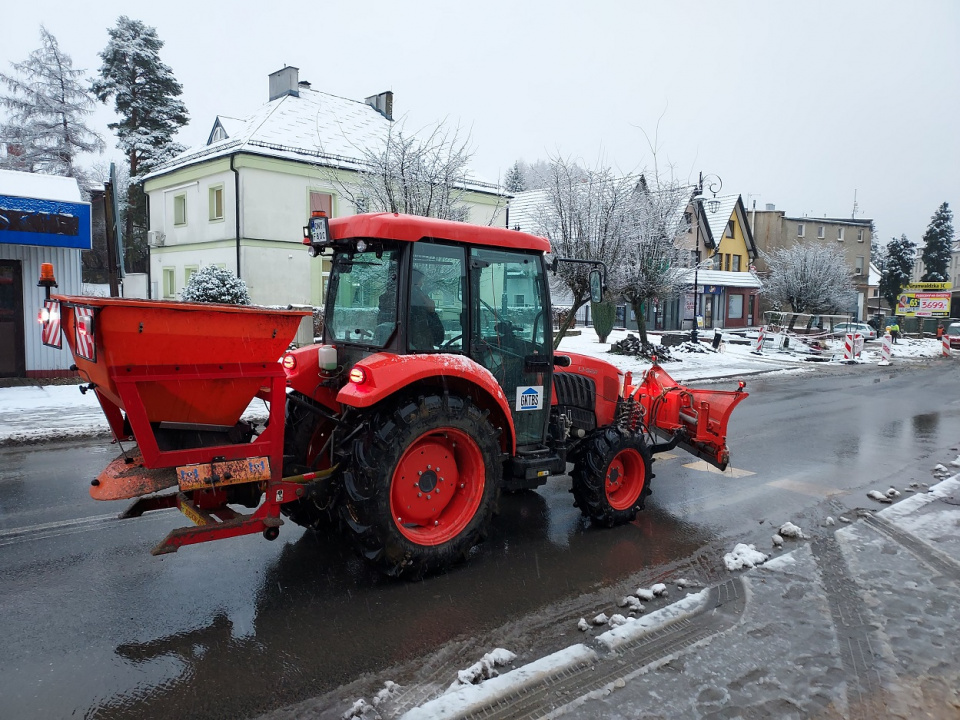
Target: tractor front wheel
611 476
421 484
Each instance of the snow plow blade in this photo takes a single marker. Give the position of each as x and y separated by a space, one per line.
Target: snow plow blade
692 419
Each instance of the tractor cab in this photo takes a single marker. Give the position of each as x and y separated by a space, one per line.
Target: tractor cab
446 297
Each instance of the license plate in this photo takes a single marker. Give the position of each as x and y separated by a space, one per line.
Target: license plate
218 474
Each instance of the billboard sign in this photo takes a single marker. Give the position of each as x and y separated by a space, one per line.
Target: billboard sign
924 304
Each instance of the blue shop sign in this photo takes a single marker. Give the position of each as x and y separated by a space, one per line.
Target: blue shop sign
50 223
712 289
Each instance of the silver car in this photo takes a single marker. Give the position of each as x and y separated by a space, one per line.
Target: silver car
843 329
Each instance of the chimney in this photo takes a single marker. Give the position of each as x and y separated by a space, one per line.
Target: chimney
382 103
284 82
304 84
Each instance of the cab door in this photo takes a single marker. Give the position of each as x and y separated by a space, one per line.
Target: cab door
511 334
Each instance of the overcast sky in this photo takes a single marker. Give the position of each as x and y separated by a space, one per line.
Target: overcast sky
800 104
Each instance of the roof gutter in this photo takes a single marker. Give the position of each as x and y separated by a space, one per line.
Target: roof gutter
236 205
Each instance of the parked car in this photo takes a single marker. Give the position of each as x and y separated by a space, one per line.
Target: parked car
842 329
953 332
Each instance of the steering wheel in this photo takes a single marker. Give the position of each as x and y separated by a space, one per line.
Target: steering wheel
449 343
362 333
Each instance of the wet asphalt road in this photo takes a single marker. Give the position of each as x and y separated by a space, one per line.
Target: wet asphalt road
97 627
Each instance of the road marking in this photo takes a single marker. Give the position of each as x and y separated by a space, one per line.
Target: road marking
42 531
704 466
805 488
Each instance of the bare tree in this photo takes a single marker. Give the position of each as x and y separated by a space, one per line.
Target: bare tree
811 278
586 215
651 266
417 175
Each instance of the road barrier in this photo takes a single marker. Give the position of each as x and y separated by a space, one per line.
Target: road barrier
946 345
852 347
886 349
760 339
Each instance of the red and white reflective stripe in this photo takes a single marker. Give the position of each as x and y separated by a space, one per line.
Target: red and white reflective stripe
50 335
83 332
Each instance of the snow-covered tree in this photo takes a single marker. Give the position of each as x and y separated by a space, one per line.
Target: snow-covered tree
46 129
937 245
415 174
145 95
897 264
213 284
811 278
586 215
514 181
651 267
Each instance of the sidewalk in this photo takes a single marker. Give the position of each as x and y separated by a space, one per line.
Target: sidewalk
861 624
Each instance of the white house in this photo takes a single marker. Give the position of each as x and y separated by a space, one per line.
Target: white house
241 200
42 220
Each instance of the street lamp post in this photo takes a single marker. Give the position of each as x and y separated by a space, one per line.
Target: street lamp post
715 183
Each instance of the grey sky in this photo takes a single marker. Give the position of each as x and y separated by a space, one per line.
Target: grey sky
794 103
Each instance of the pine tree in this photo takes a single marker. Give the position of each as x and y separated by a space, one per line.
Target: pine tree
897 265
937 245
46 130
145 95
514 181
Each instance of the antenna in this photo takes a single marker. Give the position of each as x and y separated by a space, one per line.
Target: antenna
855 206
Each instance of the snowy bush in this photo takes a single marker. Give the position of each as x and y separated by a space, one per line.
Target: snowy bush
213 284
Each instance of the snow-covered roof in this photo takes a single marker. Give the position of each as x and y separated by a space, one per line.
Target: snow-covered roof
525 209
717 220
724 278
41 187
312 126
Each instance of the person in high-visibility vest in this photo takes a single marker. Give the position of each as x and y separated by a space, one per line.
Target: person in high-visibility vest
895 331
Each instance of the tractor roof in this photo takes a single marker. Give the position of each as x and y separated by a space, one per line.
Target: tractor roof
412 228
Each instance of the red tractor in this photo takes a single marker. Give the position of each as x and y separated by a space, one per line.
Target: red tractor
435 388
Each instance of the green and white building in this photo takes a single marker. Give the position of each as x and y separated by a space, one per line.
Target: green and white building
241 200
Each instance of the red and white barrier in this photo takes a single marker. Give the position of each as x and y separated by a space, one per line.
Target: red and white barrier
946 345
886 349
760 339
852 345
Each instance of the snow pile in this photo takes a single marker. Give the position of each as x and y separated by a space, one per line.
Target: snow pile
483 670
878 496
744 556
789 530
363 709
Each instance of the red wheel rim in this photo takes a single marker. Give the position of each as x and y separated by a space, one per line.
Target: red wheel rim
624 480
437 486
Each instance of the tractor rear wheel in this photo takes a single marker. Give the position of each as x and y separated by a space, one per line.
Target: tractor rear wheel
306 433
421 484
611 476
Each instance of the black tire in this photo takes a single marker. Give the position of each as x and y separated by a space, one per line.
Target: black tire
421 483
611 476
305 433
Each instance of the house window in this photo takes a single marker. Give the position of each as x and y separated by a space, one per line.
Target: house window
860 235
218 134
216 203
188 272
717 261
729 231
169 283
800 229
519 300
858 270
726 262
736 263
694 257
321 201
821 232
734 307
180 209
688 221
840 233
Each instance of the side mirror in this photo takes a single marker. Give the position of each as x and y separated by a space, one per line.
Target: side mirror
596 287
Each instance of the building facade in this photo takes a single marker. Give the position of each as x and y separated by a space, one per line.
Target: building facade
241 200
773 230
42 220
